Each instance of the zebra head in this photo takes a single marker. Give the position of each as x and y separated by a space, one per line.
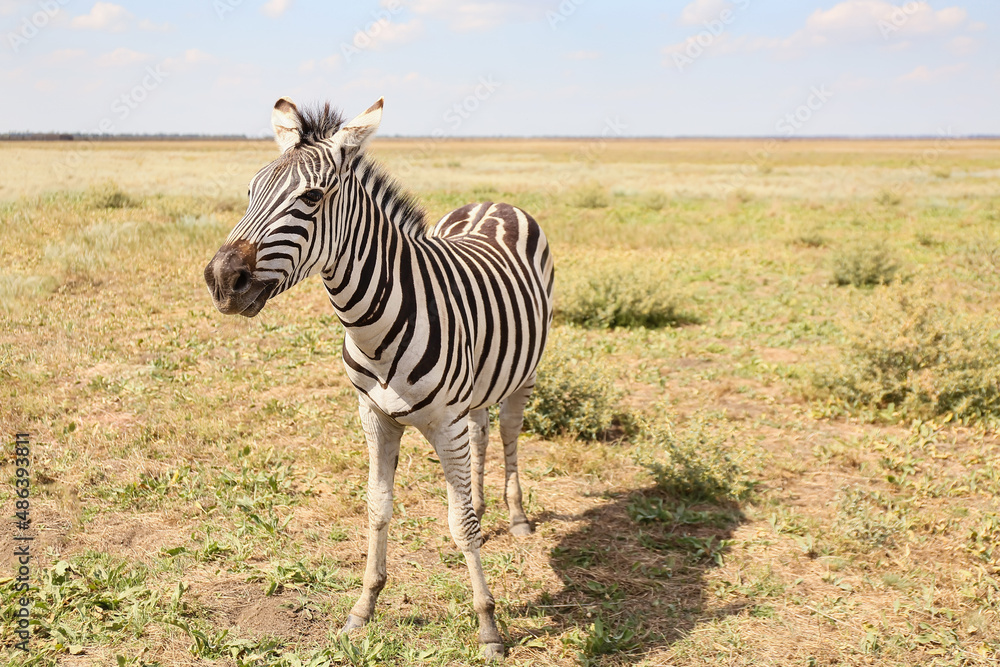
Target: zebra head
285 235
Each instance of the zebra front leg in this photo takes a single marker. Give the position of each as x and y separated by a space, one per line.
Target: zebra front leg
382 435
452 448
511 420
479 436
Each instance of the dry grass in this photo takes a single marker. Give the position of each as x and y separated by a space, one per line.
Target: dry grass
198 480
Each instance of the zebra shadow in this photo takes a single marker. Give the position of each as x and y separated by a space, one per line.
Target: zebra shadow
634 575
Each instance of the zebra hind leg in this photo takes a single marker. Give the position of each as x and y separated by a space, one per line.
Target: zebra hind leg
511 420
479 435
452 448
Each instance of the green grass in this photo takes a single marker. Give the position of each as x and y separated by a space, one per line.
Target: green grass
731 459
611 293
575 394
914 352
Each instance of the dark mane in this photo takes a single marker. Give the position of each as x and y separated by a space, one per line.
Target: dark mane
319 123
402 207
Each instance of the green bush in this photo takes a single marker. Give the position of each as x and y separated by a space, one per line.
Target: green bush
698 463
575 395
811 239
864 264
654 201
589 195
109 195
888 198
918 355
618 295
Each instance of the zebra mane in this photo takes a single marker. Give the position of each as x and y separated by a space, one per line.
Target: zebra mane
318 123
402 207
321 122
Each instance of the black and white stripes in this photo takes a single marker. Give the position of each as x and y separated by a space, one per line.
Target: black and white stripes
441 322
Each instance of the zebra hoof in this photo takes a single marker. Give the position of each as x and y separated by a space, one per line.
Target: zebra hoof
521 529
493 651
353 623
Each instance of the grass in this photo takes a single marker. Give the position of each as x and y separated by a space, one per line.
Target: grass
913 354
575 395
732 460
864 264
612 293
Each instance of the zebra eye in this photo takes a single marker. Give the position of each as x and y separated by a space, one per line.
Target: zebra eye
313 196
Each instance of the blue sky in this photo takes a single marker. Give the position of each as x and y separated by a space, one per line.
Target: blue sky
507 67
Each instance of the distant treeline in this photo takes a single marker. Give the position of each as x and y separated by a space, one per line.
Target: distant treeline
69 136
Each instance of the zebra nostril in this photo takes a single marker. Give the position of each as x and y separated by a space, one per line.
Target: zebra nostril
241 283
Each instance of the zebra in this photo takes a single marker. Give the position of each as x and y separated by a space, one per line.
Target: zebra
440 322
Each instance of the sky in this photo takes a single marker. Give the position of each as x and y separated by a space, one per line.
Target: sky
755 68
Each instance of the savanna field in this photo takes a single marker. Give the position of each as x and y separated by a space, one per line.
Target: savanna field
764 433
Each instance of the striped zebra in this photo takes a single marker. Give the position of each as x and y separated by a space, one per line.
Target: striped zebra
441 322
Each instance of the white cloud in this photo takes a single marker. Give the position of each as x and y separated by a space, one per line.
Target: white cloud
190 58
110 17
851 21
853 84
238 81
311 65
104 16
963 45
856 20
704 44
584 55
64 56
977 26
8 7
120 57
148 25
924 74
384 32
700 11
376 82
197 56
469 15
275 8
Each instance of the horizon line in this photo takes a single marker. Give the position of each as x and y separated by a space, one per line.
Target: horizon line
184 136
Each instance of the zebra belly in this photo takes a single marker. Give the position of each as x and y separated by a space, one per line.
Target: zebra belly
480 337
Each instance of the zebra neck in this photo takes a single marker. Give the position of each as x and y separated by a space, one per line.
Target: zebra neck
371 280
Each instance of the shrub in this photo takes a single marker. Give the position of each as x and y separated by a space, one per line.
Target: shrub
590 195
915 353
654 201
109 195
888 198
15 288
575 395
699 463
622 295
811 239
864 264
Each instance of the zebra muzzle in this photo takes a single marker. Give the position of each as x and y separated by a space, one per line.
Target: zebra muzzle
231 282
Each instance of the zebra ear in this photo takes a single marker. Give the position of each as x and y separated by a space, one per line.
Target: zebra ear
360 131
287 123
